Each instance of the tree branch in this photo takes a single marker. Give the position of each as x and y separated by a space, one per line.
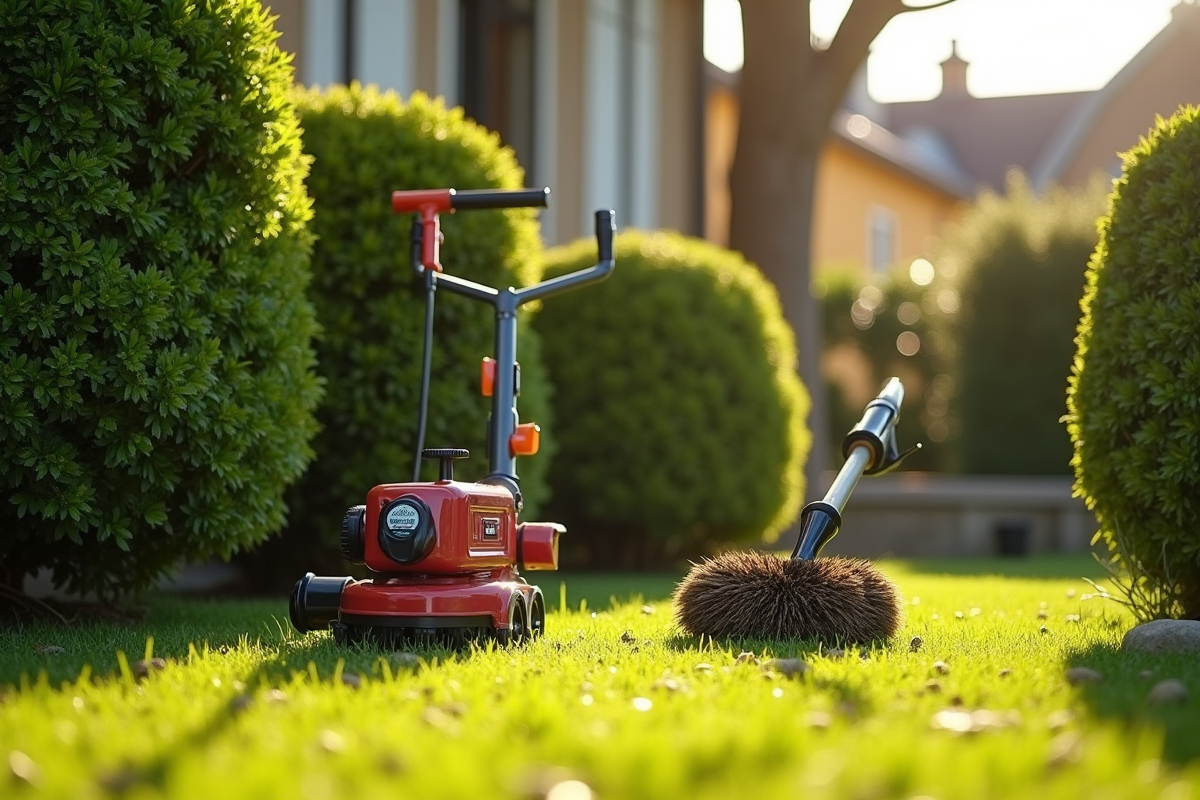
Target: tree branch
926 8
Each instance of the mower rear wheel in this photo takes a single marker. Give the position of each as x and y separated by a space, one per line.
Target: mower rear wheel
537 616
517 632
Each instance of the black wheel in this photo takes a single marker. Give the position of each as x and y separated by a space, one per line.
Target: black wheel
518 623
537 616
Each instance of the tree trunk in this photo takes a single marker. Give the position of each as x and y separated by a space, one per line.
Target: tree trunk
788 93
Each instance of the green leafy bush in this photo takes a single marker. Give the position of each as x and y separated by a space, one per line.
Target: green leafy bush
156 370
1134 398
364 145
680 416
884 326
1017 262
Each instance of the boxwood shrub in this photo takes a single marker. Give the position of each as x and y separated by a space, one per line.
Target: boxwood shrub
1019 261
679 413
364 144
1134 398
156 367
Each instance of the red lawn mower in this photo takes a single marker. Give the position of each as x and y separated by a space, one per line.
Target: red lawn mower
448 554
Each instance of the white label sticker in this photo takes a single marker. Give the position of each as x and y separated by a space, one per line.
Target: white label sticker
403 519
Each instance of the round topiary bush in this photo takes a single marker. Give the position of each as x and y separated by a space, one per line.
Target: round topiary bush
156 368
1134 397
366 144
1018 262
680 416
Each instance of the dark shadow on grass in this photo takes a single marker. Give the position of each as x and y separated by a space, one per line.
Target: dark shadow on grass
1122 695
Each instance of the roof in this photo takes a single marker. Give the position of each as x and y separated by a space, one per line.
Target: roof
988 136
911 157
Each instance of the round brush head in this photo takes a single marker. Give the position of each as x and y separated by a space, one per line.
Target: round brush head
758 595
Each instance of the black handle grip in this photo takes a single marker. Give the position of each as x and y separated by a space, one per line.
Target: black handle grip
499 198
605 225
877 430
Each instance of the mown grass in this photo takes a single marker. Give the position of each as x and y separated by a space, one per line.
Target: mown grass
614 697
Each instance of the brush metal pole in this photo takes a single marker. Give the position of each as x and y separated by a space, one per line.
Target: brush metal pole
847 478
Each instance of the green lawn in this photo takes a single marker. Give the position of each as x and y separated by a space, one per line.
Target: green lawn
612 696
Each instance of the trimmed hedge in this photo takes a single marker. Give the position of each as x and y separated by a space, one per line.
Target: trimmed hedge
1134 398
365 144
679 412
1019 262
156 371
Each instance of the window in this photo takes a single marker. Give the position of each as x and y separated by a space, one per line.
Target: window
881 238
497 91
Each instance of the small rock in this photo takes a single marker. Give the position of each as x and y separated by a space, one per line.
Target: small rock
628 638
1080 675
331 741
240 703
1043 630
1164 636
956 700
1060 719
1166 692
702 667
1066 748
409 660
819 719
647 609
142 669
1004 673
351 680
941 667
958 615
789 667
1073 618
835 652
23 768
570 790
1043 614
276 697
670 685
746 657
933 687
1146 674
48 649
915 644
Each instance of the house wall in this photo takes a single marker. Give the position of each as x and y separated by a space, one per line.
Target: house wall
851 185
617 111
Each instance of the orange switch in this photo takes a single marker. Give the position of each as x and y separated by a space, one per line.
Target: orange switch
487 376
525 439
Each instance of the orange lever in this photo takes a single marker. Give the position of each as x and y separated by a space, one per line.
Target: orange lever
525 439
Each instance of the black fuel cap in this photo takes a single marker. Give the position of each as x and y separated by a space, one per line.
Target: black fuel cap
406 532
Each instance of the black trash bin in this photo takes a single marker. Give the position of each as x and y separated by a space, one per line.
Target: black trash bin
1012 537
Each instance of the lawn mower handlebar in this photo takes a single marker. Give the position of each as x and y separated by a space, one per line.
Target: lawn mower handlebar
437 200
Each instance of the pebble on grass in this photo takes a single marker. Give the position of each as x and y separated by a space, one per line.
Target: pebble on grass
915 644
1004 673
23 768
48 649
788 667
276 697
647 609
1166 692
331 741
703 667
142 669
410 660
570 790
747 657
1080 675
941 667
835 652
351 680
